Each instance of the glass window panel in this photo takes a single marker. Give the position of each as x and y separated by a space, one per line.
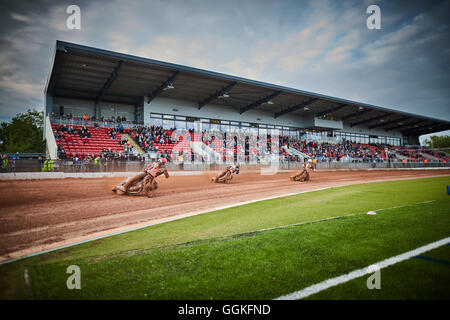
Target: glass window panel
180 124
214 126
190 125
155 122
254 131
168 124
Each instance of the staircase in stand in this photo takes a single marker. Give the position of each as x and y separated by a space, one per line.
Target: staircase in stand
135 146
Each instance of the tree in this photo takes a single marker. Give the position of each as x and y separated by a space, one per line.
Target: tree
438 142
24 133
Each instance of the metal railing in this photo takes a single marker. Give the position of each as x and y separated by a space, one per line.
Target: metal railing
42 165
91 123
115 165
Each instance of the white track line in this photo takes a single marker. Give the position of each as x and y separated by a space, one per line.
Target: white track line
361 272
323 219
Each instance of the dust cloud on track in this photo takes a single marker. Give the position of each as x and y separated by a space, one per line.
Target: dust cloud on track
38 215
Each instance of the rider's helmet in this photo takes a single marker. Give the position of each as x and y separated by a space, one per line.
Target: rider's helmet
163 161
310 160
237 165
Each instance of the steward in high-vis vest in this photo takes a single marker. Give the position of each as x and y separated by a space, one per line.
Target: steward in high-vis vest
48 165
97 162
4 163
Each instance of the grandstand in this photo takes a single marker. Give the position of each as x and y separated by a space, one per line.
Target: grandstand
158 109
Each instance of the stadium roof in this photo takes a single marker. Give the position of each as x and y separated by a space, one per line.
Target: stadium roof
82 72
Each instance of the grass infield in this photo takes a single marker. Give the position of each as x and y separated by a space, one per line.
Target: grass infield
219 255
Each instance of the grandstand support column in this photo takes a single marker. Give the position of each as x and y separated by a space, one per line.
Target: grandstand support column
47 110
97 110
51 147
139 110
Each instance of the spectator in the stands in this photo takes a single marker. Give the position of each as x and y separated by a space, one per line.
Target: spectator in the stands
112 135
69 139
61 152
120 127
4 163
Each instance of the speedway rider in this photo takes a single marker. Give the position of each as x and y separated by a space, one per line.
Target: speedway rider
305 172
155 169
230 168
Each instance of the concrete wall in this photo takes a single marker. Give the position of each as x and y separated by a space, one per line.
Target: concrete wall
312 121
375 132
80 107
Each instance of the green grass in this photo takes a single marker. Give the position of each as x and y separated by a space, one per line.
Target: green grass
423 280
193 258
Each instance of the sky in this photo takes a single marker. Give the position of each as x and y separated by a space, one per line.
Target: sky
318 45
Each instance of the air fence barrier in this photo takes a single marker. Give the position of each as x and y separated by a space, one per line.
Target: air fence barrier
42 165
69 166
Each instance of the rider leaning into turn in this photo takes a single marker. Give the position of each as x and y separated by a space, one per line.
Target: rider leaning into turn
156 169
230 168
306 167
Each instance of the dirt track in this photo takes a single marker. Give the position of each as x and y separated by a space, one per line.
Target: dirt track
41 215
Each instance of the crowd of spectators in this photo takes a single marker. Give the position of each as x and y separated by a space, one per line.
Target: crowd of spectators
129 152
152 139
147 137
83 133
411 154
343 151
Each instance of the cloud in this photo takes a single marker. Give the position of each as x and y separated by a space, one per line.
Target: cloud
318 46
19 17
